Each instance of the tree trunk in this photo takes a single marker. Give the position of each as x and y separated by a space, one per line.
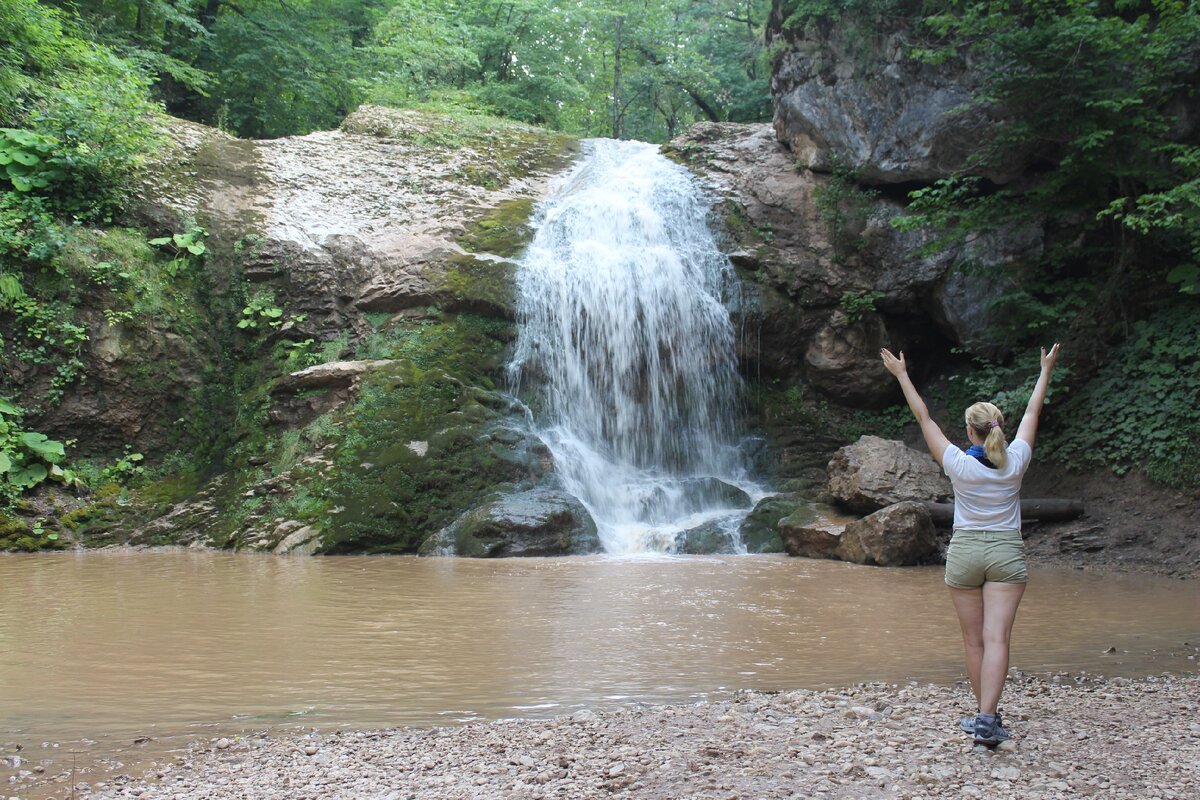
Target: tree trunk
1046 509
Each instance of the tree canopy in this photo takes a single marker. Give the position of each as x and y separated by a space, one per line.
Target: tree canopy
264 68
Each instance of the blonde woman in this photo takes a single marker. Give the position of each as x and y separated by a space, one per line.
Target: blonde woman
985 563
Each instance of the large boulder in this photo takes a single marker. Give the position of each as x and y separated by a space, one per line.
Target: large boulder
539 522
813 530
873 473
900 535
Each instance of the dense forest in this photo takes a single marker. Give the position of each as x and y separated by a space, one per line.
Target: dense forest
265 68
1100 98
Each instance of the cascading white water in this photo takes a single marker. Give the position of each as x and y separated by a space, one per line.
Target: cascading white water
626 339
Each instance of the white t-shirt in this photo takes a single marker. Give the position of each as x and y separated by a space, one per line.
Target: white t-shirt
987 499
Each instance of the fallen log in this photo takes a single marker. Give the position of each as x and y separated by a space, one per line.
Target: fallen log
1045 509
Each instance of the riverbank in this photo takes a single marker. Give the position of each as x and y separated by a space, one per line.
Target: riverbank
1073 736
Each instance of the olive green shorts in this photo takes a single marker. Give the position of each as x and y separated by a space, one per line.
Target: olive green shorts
975 557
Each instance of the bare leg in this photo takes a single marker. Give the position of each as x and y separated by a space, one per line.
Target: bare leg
968 604
1000 601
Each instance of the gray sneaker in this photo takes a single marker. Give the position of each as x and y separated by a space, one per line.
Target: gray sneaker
989 730
967 724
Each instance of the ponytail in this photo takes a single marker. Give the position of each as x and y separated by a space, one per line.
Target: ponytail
988 422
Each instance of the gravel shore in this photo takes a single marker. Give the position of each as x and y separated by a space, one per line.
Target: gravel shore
1073 736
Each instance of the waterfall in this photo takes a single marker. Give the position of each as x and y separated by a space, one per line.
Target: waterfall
626 345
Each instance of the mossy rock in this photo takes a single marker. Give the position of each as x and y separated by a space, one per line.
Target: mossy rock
539 522
416 450
760 529
707 539
17 534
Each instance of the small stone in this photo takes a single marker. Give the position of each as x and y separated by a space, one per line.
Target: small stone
616 769
1006 773
310 749
222 743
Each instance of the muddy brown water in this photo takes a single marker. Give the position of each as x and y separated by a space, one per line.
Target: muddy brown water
98 650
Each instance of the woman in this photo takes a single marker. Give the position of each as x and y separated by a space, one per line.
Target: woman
985 563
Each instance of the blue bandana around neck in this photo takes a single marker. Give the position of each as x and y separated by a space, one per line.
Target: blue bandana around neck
976 452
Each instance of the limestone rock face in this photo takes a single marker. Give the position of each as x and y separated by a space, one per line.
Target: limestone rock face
873 473
799 270
843 360
861 98
900 535
539 522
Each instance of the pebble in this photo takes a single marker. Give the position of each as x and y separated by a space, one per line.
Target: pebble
222 743
738 746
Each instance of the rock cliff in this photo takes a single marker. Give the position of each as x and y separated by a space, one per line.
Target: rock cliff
333 384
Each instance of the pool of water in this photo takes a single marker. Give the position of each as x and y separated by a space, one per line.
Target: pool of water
100 649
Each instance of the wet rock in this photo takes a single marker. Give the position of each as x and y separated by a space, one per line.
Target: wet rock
873 473
897 536
668 502
813 531
761 531
707 539
303 541
539 522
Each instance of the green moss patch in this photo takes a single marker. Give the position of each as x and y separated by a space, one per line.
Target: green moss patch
416 453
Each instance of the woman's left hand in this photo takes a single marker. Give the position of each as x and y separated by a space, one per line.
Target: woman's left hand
896 366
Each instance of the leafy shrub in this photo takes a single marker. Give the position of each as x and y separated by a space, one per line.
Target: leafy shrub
855 304
27 457
28 159
1140 409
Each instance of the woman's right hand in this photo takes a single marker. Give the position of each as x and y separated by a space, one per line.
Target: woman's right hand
894 365
1049 359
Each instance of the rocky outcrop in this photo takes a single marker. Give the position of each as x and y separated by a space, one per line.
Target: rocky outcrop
874 472
377 216
825 291
857 96
337 347
300 397
540 522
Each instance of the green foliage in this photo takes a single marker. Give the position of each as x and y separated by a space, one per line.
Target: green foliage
1091 92
1140 410
263 68
124 469
1007 386
27 159
846 207
27 458
855 304
260 310
189 249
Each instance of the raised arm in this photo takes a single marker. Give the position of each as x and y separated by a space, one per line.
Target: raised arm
1027 432
935 440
